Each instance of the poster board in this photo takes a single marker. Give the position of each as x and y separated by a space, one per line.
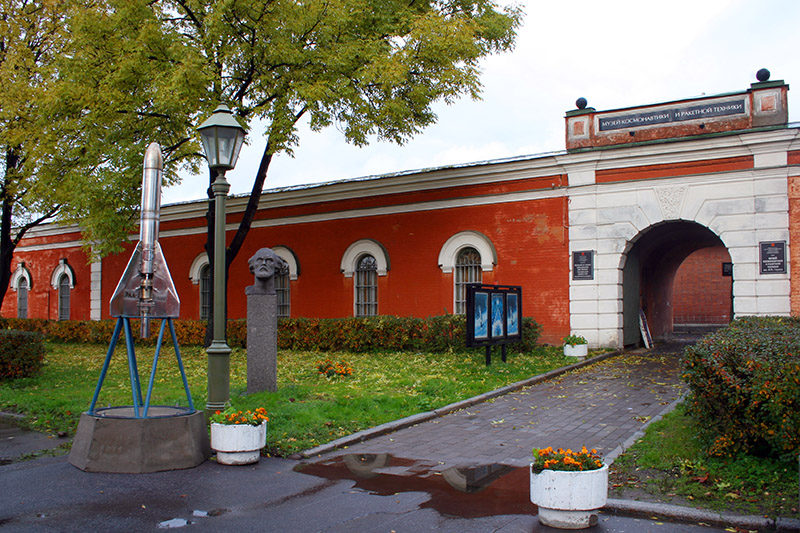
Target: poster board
494 314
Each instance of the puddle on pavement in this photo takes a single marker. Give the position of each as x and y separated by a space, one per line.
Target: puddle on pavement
470 491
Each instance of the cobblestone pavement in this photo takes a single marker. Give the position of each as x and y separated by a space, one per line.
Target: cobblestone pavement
599 406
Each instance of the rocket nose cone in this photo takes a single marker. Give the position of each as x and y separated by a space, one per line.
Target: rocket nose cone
152 157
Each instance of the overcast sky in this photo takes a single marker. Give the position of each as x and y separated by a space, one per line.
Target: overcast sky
615 53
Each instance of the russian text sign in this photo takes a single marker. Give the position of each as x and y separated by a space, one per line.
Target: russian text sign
772 257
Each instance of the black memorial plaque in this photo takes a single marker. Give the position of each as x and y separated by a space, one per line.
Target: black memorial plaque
583 265
772 257
727 269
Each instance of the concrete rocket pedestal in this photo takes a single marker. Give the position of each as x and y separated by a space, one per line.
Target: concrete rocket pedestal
142 437
114 440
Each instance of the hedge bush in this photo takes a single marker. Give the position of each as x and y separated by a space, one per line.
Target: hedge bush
435 334
21 354
744 385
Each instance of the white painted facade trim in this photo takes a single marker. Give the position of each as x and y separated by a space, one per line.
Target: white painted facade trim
197 267
467 239
96 272
62 268
21 272
287 255
357 249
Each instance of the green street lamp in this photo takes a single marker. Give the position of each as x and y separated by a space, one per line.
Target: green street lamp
222 140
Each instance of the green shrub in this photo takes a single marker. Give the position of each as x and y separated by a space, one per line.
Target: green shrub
437 334
446 333
744 385
21 354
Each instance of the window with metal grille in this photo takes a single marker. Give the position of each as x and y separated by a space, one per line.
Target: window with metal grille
366 286
22 298
205 293
468 270
63 297
283 290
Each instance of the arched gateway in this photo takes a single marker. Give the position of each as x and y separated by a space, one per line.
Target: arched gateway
643 216
593 233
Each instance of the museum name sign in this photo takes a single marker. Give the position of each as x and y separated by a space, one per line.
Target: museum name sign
676 114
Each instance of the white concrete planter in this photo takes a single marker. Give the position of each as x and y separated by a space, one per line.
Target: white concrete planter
569 500
238 444
576 350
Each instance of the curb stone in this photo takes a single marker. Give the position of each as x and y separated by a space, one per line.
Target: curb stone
689 514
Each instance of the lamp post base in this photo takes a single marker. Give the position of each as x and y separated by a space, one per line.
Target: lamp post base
219 367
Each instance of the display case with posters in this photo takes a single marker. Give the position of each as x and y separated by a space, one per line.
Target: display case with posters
493 316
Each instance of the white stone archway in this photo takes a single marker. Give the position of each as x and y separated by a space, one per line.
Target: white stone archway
742 208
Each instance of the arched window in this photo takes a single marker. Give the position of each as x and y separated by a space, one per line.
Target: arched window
366 286
283 290
22 298
205 292
467 270
63 297
63 280
21 282
466 255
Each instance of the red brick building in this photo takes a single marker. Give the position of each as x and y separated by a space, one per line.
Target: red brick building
657 197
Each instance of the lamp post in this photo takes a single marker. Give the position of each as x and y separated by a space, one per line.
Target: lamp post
222 140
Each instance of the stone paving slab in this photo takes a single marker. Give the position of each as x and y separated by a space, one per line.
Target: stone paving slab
600 406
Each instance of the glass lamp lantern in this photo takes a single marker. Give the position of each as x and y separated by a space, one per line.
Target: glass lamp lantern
222 139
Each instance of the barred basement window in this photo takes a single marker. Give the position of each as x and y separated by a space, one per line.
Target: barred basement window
63 297
366 286
22 298
205 293
283 290
468 270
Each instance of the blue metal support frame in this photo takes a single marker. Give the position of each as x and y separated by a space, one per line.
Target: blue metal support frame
133 370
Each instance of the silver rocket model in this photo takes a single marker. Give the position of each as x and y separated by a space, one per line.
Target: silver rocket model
146 289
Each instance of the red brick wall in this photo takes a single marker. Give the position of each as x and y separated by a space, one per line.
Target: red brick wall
42 297
701 294
530 239
675 169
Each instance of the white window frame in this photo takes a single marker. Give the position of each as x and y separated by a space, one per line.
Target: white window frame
21 272
458 242
467 239
364 247
62 268
286 253
197 268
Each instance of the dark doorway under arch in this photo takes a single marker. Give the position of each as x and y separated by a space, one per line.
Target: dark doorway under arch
649 272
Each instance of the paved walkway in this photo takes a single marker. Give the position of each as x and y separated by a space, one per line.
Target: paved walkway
600 406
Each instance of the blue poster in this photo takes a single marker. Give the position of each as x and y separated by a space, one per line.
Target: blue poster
497 315
513 314
481 318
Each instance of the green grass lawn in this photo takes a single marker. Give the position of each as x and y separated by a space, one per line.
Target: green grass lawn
307 410
669 464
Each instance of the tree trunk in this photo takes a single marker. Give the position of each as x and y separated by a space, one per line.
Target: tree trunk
7 245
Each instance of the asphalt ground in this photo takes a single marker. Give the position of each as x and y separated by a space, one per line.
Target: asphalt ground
458 469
